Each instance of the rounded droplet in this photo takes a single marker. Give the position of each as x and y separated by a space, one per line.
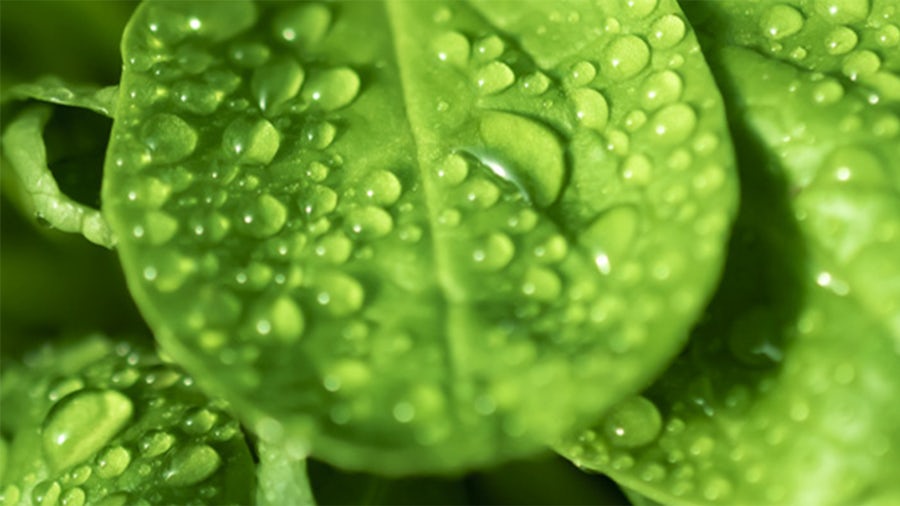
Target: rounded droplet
843 11
633 423
113 462
534 153
302 25
489 48
780 21
673 124
861 64
249 54
319 135
276 82
582 73
265 217
854 165
339 293
158 228
494 77
541 283
382 187
332 89
192 464
641 8
83 423
320 201
251 140
536 83
334 248
493 252
169 137
828 91
667 31
155 443
591 108
452 170
452 47
841 40
660 89
609 238
369 222
625 57
636 169
196 97
888 35
279 319
46 493
73 497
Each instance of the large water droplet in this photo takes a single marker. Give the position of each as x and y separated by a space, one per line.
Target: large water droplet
609 238
169 137
660 89
192 464
332 89
780 21
494 77
276 82
674 123
83 423
591 108
452 47
625 57
265 217
534 154
667 31
252 141
113 462
841 40
382 187
633 423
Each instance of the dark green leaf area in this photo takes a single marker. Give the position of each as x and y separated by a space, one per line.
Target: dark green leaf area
96 423
413 236
787 392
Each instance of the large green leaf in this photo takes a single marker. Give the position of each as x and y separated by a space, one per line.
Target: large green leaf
788 391
417 236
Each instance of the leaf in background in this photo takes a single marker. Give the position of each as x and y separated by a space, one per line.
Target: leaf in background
92 422
788 391
414 237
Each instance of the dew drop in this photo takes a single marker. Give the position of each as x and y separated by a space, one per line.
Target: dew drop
197 98
339 293
841 40
369 222
303 25
861 64
488 48
843 11
494 77
625 57
199 421
780 21
279 319
452 47
633 423
591 108
249 54
319 135
541 283
251 141
452 170
276 82
609 238
827 91
382 187
73 497
674 123
536 83
113 462
265 217
660 89
888 35
334 248
637 169
46 493
169 137
332 89
83 423
155 443
667 31
404 412
641 8
493 252
582 73
192 464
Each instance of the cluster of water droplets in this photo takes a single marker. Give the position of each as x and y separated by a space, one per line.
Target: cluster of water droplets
126 428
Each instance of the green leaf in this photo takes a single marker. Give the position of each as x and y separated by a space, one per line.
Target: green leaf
414 236
787 393
54 90
97 423
23 148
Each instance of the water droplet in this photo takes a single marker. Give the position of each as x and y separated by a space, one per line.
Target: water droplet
488 48
113 462
636 169
249 54
382 187
276 82
332 89
493 252
481 193
72 497
339 293
452 170
63 387
158 228
169 137
582 73
80 475
452 47
534 154
843 11
635 120
841 40
196 97
667 31
609 238
541 283
319 135
625 57
302 25
334 248
494 77
780 21
888 35
199 421
156 443
673 124
252 141
536 83
861 64
279 319
370 222
660 89
82 423
265 217
591 108
46 493
320 201
192 464
641 8
828 91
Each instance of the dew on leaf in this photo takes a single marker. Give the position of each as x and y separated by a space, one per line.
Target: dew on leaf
382 187
660 89
73 497
197 98
276 82
279 319
780 21
249 54
46 493
591 108
673 123
113 462
494 77
843 11
493 252
169 137
636 169
582 73
332 89
625 57
861 63
481 193
339 293
452 47
199 421
302 25
83 423
192 464
609 238
667 31
641 8
251 141
452 170
155 443
370 222
334 248
264 217
541 284
488 48
536 83
841 40
319 135
888 35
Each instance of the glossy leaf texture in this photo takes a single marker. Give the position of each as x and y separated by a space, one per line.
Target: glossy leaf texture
787 392
415 236
96 423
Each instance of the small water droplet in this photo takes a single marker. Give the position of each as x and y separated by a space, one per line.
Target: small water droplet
169 137
641 8
888 35
192 464
609 238
251 141
332 89
452 170
625 57
661 88
493 252
582 73
249 54
488 48
155 443
843 11
302 25
637 169
591 108
264 217
72 497
276 82
494 77
113 462
199 421
339 293
82 423
46 493
452 47
541 284
279 319
861 64
382 187
828 91
536 83
369 222
780 21
673 124
841 40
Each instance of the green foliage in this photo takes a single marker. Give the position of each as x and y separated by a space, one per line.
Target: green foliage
416 238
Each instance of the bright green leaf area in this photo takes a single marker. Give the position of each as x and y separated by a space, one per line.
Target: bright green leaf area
787 393
418 236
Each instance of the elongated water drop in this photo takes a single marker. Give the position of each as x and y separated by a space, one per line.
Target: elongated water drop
609 238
